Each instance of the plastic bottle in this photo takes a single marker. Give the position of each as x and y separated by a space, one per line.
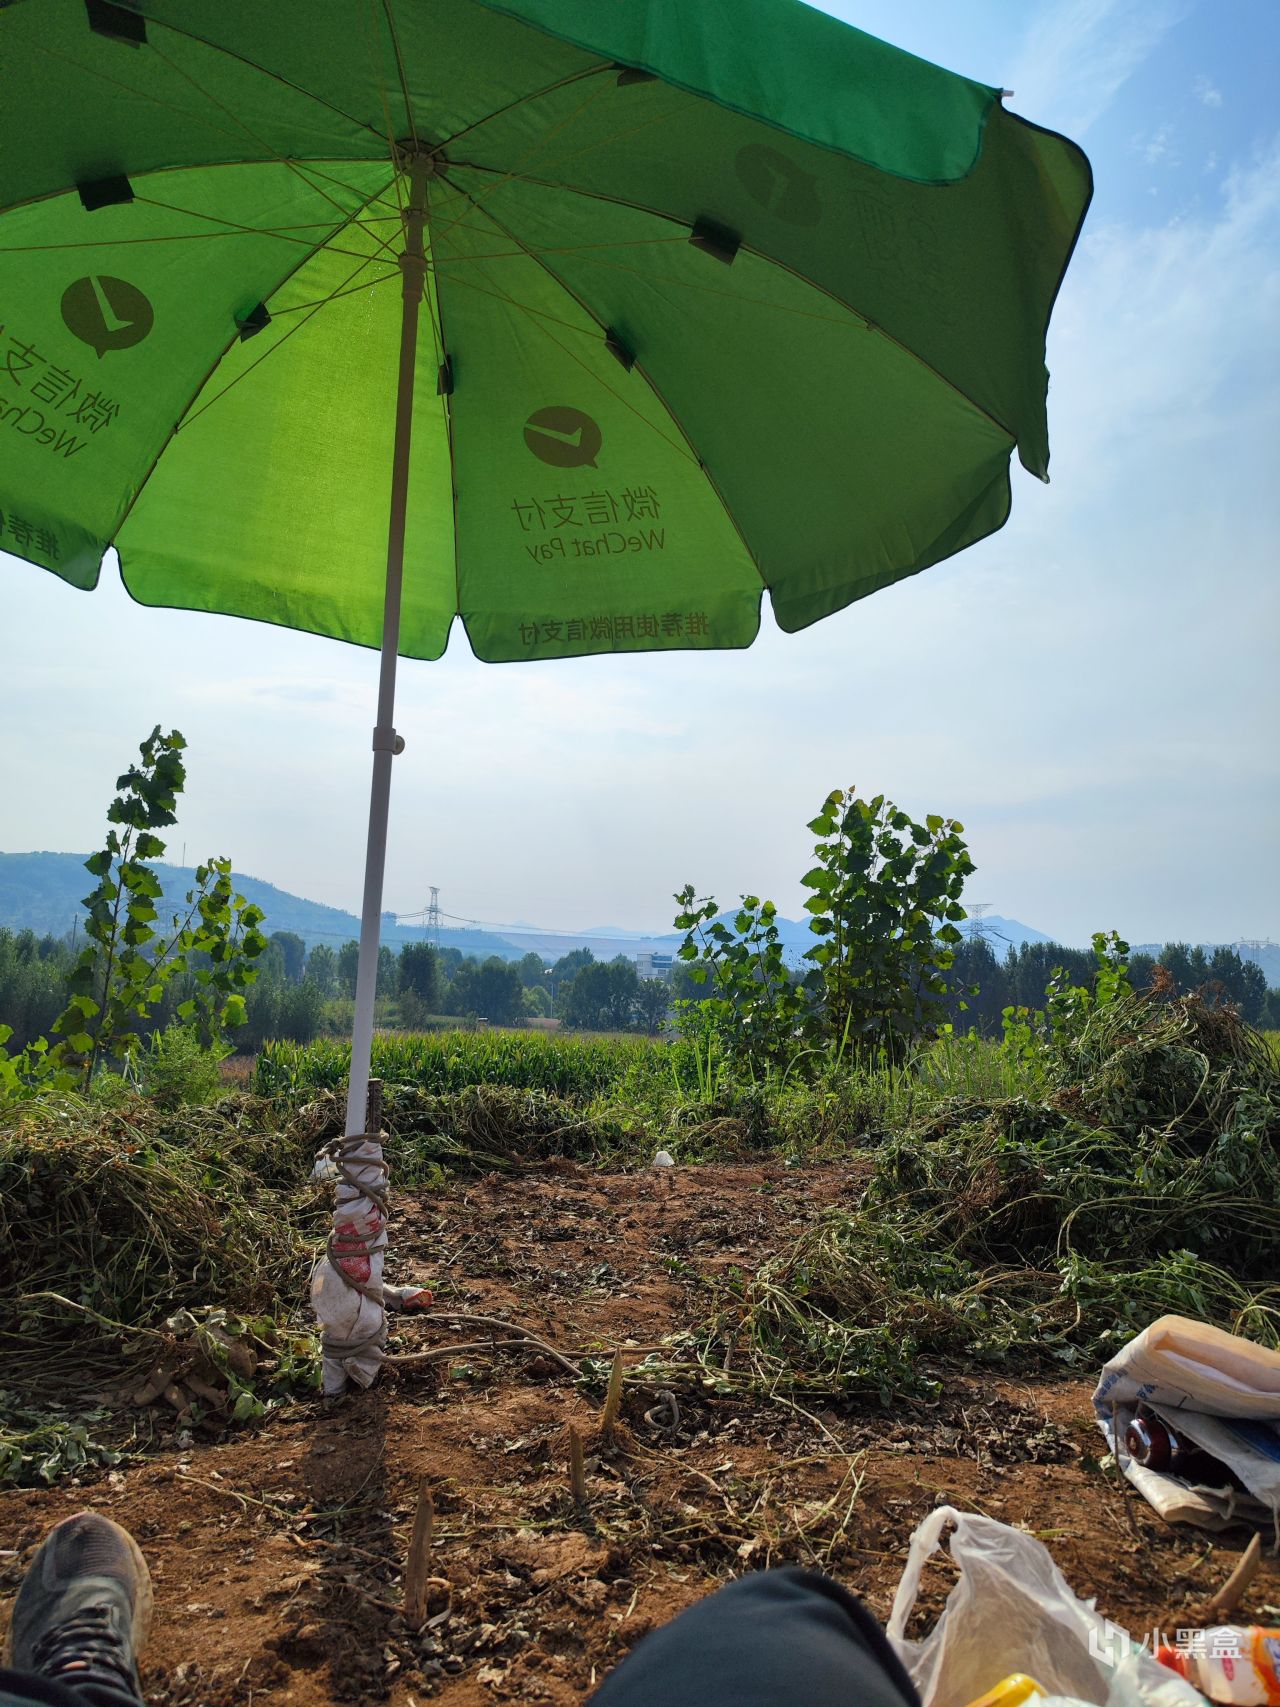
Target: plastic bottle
1236 1664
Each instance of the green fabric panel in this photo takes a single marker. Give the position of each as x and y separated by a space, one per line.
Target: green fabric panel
585 524
271 501
79 107
964 274
850 386
795 64
846 462
112 320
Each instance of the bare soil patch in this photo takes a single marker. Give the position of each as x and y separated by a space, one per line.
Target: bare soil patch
277 1554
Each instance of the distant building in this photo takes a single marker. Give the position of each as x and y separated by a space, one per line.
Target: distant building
654 965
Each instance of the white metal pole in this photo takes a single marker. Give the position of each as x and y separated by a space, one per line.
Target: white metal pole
347 1285
386 743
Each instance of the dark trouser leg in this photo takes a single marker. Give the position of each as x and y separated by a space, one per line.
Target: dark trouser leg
25 1689
786 1638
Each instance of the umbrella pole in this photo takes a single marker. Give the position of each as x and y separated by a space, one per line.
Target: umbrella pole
347 1285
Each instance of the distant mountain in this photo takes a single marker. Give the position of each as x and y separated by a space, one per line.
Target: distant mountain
42 892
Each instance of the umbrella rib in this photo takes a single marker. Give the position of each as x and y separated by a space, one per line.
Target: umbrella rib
686 443
274 154
399 58
371 42
521 100
684 449
514 172
264 71
825 291
213 368
189 420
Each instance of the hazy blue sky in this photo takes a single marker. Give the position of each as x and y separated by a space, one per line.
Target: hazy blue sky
1094 692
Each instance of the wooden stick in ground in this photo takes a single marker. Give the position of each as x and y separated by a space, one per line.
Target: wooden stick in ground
613 1398
1237 1584
373 1108
415 1574
577 1469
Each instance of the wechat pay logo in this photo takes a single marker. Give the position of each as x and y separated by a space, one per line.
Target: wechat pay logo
778 184
106 313
563 437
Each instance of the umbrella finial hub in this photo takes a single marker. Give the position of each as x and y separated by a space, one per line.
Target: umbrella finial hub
418 157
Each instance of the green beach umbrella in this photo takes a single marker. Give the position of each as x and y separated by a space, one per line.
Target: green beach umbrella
589 322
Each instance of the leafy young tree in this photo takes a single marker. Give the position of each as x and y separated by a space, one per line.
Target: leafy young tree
322 970
653 1000
499 993
531 970
122 973
293 952
348 962
750 1003
886 904
420 975
387 969
601 996
568 966
33 974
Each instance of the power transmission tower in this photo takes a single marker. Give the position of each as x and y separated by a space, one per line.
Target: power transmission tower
433 916
976 924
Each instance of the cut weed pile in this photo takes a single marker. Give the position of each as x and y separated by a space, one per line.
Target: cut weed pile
1138 1172
1146 1179
110 1219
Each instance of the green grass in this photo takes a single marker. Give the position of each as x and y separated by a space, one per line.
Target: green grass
511 1095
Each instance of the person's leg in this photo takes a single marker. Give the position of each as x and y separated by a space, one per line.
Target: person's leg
80 1617
787 1638
25 1689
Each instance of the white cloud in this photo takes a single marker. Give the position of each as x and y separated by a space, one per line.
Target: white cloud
1206 92
1079 53
1157 147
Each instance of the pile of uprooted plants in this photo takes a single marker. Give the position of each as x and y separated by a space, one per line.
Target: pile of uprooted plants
1143 1177
1024 1232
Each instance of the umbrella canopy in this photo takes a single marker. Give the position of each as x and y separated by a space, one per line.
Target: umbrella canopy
722 295
587 321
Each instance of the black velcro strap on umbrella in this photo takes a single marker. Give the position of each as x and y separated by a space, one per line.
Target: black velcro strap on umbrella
628 74
619 349
104 192
715 240
444 379
255 321
117 22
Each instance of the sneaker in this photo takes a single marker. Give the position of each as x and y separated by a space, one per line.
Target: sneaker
83 1610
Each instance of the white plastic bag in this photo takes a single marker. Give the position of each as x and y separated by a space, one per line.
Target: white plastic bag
1222 1393
1012 1610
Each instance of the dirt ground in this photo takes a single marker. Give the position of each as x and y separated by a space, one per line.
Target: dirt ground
277 1554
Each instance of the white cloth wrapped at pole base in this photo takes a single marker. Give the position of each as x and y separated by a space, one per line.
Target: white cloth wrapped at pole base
1215 1390
347 1290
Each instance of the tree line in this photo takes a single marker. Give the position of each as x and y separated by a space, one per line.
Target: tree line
299 992
988 984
